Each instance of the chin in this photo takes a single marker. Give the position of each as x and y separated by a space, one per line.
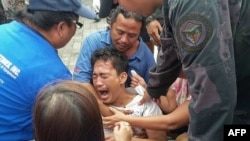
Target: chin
106 101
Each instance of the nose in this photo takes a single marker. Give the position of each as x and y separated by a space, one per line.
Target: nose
98 81
124 38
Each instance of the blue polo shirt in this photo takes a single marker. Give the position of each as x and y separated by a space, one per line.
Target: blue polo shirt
27 63
141 61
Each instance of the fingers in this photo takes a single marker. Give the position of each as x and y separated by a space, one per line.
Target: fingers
116 128
133 83
122 123
159 27
123 126
154 34
108 126
107 123
113 110
137 79
155 38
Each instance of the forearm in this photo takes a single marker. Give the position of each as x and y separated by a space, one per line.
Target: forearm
176 119
152 122
179 117
168 103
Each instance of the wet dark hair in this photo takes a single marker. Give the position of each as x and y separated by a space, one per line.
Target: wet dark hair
67 111
45 19
118 60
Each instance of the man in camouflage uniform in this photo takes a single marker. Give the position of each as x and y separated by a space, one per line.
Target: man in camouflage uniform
210 41
8 9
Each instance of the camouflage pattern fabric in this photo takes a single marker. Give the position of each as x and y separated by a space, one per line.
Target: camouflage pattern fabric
210 38
157 15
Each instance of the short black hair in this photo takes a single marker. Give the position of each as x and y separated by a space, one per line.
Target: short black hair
118 60
127 14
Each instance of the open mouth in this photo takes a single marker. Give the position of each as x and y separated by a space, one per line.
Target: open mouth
103 94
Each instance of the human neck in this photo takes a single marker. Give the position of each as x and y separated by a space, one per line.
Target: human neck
124 98
132 50
46 35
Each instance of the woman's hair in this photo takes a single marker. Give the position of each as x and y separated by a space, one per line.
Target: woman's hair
43 20
67 111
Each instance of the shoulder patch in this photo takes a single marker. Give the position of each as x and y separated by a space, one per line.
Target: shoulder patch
193 32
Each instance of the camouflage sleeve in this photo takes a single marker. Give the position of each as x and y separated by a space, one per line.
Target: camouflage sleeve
168 65
157 15
165 72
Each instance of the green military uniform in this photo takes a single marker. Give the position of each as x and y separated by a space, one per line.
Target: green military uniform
209 41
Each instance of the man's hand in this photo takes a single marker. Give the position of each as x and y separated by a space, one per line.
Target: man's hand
135 81
123 131
109 122
154 28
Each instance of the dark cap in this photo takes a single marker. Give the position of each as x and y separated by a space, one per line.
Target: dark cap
75 6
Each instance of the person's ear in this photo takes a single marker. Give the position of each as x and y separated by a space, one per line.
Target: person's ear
60 29
123 77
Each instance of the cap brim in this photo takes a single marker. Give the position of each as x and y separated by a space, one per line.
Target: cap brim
86 12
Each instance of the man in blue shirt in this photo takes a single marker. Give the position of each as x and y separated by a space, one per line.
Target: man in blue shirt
124 32
29 60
